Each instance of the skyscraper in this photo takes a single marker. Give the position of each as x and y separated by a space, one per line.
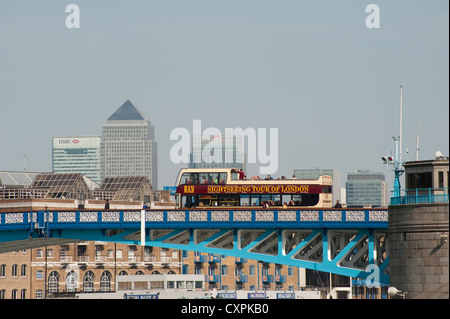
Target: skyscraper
74 154
230 152
128 145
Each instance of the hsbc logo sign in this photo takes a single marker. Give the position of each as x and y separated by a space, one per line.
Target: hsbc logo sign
63 142
68 141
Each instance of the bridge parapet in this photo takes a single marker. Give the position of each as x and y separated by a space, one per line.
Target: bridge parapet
283 219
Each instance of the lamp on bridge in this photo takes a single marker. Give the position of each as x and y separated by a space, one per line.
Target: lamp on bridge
393 292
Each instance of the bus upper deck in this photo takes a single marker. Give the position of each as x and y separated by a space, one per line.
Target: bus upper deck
222 187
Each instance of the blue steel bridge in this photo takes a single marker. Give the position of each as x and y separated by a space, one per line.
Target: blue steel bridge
345 242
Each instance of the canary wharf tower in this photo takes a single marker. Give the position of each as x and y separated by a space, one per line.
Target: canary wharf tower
128 145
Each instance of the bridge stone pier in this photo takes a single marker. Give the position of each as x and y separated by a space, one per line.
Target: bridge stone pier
418 249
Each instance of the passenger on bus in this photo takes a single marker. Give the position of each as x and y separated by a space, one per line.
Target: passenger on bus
241 174
284 205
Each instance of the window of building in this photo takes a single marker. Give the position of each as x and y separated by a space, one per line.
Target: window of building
23 270
185 269
39 253
14 270
3 270
88 282
252 270
441 179
39 274
53 282
105 281
39 294
224 270
71 281
419 180
290 271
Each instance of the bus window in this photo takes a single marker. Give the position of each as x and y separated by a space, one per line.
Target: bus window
297 200
245 200
266 198
215 178
229 200
207 200
310 199
254 200
285 199
188 201
222 178
189 178
276 198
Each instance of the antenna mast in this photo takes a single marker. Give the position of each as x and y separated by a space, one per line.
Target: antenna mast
417 142
400 136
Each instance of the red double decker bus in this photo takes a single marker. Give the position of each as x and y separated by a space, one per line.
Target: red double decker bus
222 187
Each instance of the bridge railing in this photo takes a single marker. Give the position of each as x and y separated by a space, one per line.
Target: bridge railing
421 196
327 218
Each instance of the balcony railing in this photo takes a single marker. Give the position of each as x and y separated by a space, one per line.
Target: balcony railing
241 278
280 279
213 258
267 278
200 259
212 278
83 259
421 196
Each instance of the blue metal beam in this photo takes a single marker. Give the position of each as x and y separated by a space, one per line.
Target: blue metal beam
264 229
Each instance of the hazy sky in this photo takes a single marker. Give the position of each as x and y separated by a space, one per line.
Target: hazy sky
312 69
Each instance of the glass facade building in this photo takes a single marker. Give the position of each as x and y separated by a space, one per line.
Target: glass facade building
218 152
77 154
128 145
365 188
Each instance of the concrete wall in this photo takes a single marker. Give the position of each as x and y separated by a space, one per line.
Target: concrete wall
418 247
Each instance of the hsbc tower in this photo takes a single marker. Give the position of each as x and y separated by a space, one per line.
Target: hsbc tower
77 154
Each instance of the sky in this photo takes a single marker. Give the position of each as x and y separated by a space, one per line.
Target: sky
311 69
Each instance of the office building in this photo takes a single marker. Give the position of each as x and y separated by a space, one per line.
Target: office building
75 154
128 145
218 152
366 189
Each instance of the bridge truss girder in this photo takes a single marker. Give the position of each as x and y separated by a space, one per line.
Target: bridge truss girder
352 252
